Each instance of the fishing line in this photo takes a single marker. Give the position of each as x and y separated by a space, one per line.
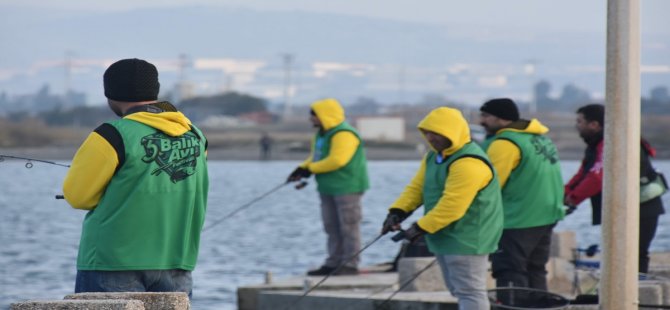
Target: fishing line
410 280
334 271
248 204
383 288
29 163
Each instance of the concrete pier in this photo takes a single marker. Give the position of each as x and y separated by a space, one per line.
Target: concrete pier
110 301
118 304
357 300
247 296
151 300
427 291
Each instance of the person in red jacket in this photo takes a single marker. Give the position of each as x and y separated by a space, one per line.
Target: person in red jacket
588 181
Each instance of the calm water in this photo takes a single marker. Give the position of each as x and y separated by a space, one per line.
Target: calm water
281 234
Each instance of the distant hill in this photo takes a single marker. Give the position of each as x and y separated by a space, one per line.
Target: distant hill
35 39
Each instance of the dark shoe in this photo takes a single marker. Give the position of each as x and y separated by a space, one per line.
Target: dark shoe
347 271
322 271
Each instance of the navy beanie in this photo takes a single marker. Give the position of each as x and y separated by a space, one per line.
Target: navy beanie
131 80
503 108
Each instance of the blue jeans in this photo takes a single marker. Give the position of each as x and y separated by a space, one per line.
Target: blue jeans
175 280
465 277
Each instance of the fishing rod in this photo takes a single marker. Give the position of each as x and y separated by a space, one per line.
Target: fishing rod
407 282
246 205
334 271
29 163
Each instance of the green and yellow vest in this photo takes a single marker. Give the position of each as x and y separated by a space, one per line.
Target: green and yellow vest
479 230
544 204
350 179
153 209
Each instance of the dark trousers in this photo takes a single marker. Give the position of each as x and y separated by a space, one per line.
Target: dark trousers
647 232
522 256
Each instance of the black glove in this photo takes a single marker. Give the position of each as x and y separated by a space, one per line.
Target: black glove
297 174
570 209
412 233
393 220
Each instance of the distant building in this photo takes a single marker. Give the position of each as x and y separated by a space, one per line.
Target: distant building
381 128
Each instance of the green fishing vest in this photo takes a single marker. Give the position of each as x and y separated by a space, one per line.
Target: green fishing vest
153 209
350 179
533 193
479 230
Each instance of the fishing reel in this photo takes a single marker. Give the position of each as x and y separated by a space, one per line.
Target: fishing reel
301 185
398 236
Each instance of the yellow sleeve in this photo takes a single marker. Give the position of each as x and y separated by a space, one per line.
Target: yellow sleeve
505 156
412 197
466 177
91 170
307 161
343 146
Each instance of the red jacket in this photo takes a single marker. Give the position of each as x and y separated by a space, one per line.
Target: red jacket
588 181
585 184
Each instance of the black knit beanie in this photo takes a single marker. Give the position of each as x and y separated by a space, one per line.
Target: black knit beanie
131 80
503 108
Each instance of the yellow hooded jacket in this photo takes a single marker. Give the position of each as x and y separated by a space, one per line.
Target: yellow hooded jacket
343 144
467 176
96 161
505 155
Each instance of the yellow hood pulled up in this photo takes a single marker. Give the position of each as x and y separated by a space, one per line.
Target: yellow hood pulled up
329 112
449 123
171 123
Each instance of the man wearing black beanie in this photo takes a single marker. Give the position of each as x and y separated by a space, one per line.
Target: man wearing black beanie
528 170
143 179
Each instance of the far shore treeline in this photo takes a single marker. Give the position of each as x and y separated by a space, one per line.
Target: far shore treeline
236 121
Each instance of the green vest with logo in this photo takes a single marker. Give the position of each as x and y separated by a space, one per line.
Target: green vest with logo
350 179
151 213
533 193
479 230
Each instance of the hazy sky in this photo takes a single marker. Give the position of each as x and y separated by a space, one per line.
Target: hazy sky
584 15
502 22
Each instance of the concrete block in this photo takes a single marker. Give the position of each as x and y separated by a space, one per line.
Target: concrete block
430 280
665 290
337 300
661 259
562 244
118 304
665 286
247 296
660 272
151 300
650 293
560 275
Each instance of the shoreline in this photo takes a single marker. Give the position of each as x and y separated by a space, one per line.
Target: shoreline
250 153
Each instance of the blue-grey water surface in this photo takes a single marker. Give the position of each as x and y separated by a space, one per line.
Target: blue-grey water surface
282 233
